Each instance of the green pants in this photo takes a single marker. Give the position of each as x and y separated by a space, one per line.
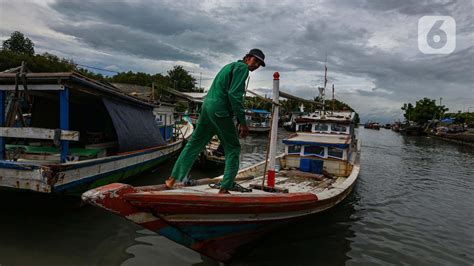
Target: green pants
207 126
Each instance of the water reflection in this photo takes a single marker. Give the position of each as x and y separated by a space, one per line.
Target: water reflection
323 239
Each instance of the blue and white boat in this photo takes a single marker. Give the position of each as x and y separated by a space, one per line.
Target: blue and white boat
258 121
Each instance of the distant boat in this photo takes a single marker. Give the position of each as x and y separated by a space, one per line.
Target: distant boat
372 125
213 154
291 124
396 126
82 134
258 121
412 129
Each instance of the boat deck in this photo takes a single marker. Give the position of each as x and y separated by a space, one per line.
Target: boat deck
292 180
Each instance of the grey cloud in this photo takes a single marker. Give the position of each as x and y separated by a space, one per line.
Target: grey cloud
118 38
408 7
154 17
155 30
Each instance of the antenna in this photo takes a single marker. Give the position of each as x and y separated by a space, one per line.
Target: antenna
333 97
324 89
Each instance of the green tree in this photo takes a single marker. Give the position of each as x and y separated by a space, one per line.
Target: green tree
408 108
18 43
253 102
138 78
424 110
181 80
36 63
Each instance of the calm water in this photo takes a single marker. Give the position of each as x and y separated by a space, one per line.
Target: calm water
413 205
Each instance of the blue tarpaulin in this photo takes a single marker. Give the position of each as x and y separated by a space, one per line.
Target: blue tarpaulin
258 111
135 125
447 120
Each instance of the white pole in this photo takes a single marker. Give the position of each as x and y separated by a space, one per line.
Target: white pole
274 130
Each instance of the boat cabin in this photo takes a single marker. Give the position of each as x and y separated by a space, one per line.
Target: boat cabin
257 118
329 140
64 117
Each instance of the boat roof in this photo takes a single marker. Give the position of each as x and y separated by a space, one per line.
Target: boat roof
74 81
343 117
185 96
330 140
196 95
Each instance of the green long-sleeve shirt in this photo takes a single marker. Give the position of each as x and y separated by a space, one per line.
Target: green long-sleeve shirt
226 95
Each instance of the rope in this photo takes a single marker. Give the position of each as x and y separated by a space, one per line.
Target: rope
235 187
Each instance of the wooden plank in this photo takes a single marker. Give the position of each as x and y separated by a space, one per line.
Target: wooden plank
104 145
33 87
269 189
40 157
297 173
37 133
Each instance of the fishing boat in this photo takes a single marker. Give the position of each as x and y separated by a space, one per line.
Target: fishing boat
258 121
372 125
80 134
316 172
213 154
291 124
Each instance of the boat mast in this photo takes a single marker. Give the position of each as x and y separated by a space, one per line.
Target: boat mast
324 89
273 130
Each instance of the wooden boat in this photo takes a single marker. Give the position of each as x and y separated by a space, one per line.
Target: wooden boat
81 134
412 130
372 125
291 124
258 121
396 126
213 154
317 171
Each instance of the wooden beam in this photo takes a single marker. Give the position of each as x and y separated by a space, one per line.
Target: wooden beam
104 145
33 87
2 123
37 133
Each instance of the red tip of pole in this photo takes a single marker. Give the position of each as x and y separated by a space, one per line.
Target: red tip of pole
276 75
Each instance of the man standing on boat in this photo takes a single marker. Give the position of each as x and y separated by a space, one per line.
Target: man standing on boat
224 100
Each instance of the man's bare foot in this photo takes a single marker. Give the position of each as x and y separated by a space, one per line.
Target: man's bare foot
223 191
169 183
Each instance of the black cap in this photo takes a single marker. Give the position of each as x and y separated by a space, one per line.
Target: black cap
258 54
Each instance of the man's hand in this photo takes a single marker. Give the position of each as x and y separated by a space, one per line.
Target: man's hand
243 131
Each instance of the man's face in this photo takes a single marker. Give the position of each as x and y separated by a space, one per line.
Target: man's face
253 63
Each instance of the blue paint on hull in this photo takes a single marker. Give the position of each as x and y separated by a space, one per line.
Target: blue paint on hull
208 232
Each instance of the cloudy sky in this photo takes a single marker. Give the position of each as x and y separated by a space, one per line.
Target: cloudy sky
371 46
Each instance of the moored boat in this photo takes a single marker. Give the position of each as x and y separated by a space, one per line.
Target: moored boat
291 124
372 125
317 171
82 133
258 121
213 154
